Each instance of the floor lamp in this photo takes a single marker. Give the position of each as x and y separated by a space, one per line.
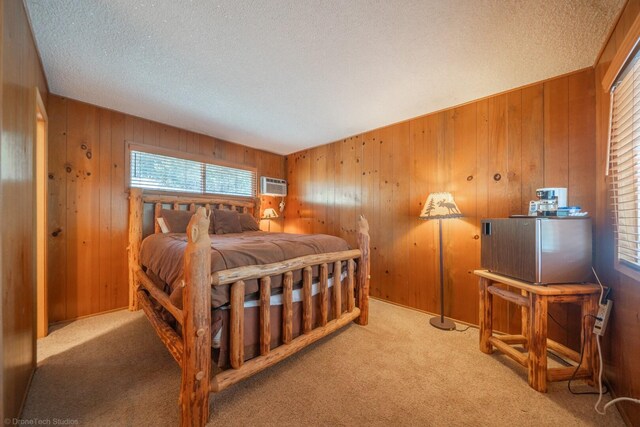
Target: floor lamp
441 206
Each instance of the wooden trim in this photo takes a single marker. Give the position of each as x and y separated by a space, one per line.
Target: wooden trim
161 297
505 348
250 272
168 336
40 161
253 366
612 30
152 149
621 268
429 313
623 55
86 316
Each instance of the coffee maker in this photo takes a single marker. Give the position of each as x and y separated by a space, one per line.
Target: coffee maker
550 199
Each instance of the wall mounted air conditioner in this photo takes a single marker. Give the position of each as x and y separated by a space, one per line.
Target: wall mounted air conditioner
273 186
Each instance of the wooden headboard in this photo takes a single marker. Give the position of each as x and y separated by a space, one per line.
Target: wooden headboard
153 203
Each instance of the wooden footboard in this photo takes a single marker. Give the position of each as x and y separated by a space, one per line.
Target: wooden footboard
192 351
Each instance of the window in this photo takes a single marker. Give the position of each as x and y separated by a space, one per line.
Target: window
155 169
624 163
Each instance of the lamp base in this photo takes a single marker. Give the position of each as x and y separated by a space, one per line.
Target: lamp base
445 325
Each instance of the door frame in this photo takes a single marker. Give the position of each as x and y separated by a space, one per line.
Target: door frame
40 155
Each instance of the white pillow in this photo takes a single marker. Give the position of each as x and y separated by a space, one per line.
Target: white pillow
163 225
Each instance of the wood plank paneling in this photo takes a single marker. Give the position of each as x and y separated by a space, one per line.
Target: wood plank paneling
492 154
88 199
83 207
20 73
461 242
622 342
57 212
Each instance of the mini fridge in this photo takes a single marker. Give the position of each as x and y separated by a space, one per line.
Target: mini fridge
539 250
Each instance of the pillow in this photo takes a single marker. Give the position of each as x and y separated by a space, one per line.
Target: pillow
226 221
248 222
176 220
162 225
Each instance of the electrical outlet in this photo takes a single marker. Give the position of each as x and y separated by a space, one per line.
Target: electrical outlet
602 318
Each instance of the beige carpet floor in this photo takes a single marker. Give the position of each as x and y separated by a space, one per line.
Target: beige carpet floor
113 370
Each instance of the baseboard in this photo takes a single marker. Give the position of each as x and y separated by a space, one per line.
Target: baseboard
63 322
423 311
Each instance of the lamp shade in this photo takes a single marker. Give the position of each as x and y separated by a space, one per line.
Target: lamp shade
269 213
440 206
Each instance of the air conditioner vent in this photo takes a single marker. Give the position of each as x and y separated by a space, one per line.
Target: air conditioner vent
273 186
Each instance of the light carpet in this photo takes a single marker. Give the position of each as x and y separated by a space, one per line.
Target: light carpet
113 370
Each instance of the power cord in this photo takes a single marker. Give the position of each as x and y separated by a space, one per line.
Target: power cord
619 399
557 323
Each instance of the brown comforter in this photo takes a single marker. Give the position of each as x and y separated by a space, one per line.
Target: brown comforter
162 254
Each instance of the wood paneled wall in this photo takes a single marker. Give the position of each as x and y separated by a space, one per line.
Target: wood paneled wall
623 337
20 73
88 199
491 154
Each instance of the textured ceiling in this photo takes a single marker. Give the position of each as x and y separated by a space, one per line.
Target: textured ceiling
286 75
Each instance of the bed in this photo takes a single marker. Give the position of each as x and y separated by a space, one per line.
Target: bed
241 302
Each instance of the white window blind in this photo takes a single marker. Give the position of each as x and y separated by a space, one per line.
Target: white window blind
624 163
168 173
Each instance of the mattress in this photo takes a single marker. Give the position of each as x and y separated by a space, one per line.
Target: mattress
163 255
220 321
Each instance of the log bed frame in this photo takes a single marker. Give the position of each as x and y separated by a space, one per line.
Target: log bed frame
192 350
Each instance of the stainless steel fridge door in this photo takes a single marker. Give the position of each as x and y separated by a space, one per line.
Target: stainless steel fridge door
563 251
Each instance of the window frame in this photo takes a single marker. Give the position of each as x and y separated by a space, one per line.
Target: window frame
201 158
622 266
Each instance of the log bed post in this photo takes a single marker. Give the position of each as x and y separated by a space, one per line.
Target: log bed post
196 361
364 268
135 239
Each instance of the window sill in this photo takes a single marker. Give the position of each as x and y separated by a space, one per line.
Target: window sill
628 271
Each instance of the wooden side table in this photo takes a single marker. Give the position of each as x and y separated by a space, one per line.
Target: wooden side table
534 300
